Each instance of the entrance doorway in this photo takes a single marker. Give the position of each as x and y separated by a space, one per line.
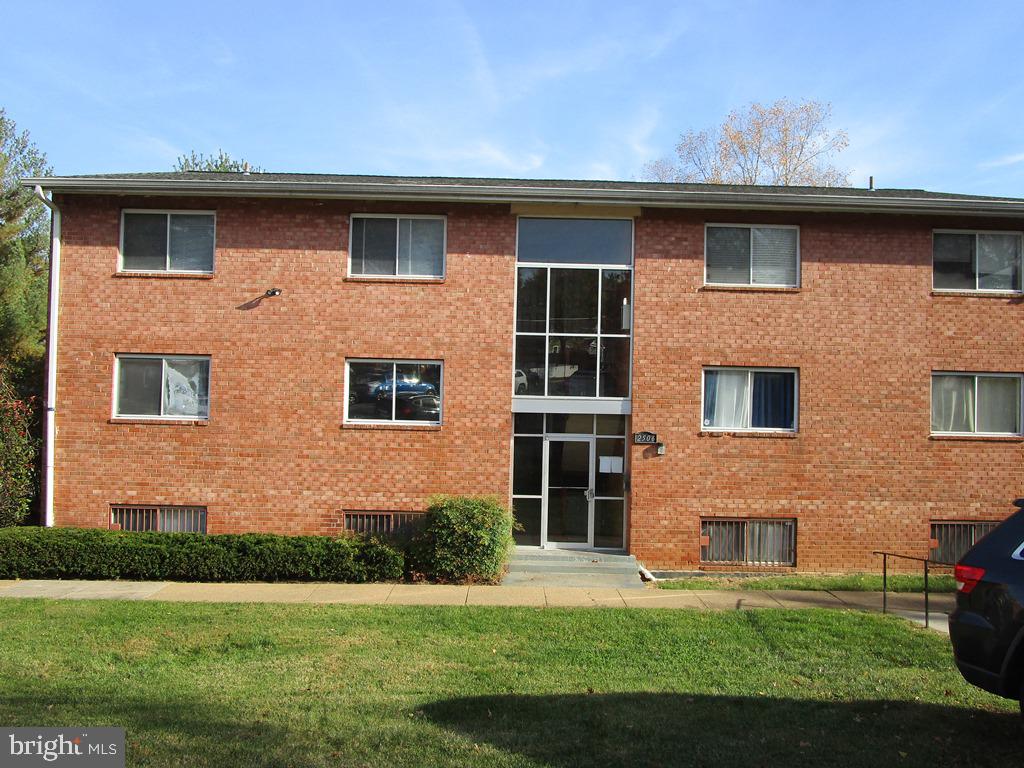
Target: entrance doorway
569 488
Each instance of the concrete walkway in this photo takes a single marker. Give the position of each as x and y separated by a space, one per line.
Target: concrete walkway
909 605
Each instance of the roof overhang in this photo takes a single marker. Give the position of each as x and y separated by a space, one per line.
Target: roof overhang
484 193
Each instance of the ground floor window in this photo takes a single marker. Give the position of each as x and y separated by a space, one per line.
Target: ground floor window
158 518
968 403
750 399
161 386
748 542
394 391
951 539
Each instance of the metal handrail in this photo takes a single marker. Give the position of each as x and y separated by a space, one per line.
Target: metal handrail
885 577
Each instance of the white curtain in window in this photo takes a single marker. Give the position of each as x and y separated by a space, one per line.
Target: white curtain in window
999 262
774 256
998 404
952 404
725 399
186 388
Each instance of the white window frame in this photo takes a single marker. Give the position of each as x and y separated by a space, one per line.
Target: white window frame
977 233
750 395
750 228
977 375
394 400
397 219
163 378
167 246
568 402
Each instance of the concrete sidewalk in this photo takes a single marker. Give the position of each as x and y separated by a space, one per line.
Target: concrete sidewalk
908 605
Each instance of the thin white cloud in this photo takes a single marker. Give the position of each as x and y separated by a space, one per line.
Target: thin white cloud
1004 161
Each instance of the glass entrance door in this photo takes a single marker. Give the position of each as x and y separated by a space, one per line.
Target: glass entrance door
570 491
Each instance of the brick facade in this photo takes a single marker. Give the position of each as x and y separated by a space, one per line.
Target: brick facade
865 331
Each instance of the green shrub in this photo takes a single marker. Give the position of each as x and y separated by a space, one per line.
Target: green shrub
464 539
17 454
93 553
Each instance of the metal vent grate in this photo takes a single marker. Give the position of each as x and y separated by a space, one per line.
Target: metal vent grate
952 539
383 522
748 542
178 519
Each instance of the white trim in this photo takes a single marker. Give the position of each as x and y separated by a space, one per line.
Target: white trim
393 362
542 404
49 462
977 233
751 370
398 217
750 283
114 415
978 375
167 246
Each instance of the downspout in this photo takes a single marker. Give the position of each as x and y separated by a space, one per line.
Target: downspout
51 356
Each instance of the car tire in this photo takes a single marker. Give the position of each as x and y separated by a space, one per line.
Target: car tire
521 389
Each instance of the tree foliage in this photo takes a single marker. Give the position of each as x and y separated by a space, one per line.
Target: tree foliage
783 144
24 249
18 446
222 162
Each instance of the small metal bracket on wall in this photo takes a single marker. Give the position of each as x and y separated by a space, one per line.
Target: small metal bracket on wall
661 449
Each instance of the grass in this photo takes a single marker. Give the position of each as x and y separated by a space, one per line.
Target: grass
297 685
853 582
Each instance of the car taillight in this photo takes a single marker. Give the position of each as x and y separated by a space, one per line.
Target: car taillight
967 577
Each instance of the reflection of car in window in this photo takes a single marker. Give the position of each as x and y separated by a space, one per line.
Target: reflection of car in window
411 406
520 382
405 384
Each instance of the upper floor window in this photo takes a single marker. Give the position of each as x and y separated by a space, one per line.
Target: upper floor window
976 261
159 386
397 246
575 241
976 403
393 391
755 399
752 255
167 241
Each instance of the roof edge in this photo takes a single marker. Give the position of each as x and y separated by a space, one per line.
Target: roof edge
478 193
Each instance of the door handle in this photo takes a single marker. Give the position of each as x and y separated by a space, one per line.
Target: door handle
589 494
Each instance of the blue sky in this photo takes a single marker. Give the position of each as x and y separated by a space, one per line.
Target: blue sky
931 93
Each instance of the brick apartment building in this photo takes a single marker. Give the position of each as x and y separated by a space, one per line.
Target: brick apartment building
818 373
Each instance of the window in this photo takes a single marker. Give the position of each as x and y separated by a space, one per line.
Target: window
149 386
160 241
758 399
384 523
397 246
748 542
573 318
394 391
179 519
969 403
742 255
951 540
976 261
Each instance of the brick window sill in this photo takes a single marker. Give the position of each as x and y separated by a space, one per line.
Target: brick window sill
750 288
754 434
395 280
166 275
394 427
978 438
980 294
162 422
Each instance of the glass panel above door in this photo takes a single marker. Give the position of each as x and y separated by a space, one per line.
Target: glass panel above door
576 241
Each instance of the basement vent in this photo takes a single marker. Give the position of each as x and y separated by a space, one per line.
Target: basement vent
383 523
748 542
178 519
952 539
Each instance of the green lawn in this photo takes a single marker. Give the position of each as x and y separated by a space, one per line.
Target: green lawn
856 582
236 685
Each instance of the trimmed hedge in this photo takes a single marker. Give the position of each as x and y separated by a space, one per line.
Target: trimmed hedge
464 539
94 553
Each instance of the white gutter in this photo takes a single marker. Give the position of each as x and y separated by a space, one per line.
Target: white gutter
51 355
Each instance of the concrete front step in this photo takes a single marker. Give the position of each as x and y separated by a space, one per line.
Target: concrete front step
572 568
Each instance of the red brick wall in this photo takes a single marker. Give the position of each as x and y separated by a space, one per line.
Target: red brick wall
865 332
274 455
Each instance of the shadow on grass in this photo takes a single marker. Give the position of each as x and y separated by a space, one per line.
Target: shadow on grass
657 729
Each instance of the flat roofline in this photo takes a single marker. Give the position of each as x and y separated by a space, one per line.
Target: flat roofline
541 192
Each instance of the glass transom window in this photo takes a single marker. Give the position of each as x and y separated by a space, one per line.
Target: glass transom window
397 246
573 316
394 391
754 399
751 255
170 387
969 403
161 241
976 261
